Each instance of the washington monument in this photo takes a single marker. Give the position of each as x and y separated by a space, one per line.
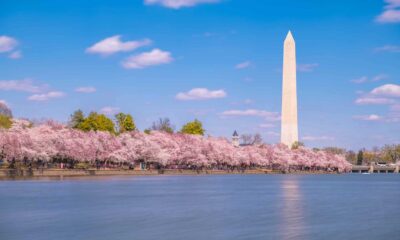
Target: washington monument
289 129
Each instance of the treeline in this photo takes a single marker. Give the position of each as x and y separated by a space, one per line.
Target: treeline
389 153
57 145
96 140
123 122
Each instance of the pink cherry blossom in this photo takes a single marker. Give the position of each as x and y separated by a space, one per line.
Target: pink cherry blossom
55 142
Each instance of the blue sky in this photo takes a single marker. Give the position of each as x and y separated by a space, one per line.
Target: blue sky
218 61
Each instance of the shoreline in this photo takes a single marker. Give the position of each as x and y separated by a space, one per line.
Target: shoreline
10 174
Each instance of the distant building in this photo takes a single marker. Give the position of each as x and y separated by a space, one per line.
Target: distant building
235 139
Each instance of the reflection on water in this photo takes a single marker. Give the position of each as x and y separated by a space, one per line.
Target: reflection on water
292 213
295 207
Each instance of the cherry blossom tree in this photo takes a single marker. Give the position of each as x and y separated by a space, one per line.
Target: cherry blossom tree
54 142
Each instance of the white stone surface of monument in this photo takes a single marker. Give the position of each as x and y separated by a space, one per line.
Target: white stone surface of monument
289 127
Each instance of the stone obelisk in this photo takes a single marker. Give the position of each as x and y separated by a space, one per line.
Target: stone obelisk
289 130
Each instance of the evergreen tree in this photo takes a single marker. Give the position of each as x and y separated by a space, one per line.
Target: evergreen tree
360 157
195 128
76 119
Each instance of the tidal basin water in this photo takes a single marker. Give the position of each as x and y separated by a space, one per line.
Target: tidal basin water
203 207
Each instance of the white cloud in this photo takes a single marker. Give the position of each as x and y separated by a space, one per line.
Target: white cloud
392 4
307 67
15 55
266 125
391 14
382 95
389 90
317 138
365 79
274 134
243 65
28 85
374 100
109 110
25 85
114 44
201 94
392 117
46 96
371 117
176 4
388 48
379 77
360 80
200 112
85 89
7 44
147 59
395 107
270 116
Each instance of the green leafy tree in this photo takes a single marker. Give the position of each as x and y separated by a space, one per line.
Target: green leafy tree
391 153
297 144
125 122
5 121
334 150
163 124
97 122
195 128
76 119
147 131
360 157
351 157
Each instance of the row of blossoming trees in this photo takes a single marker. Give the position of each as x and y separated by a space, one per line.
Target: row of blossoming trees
53 142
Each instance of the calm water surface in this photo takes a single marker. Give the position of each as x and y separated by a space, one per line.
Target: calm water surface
203 207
